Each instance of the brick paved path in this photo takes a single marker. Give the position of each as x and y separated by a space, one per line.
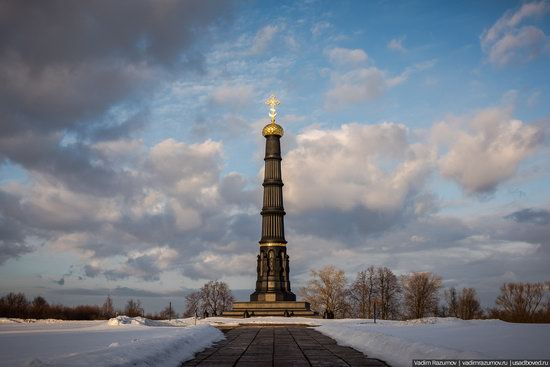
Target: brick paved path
259 346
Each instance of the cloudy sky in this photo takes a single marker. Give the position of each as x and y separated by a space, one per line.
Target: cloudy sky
131 148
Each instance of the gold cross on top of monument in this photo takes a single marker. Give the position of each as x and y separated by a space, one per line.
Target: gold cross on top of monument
272 102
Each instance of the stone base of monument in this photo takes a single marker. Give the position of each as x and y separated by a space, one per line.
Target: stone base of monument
265 308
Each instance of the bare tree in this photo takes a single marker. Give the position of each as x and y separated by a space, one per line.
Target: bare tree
520 302
216 297
468 304
363 293
452 301
107 309
326 290
16 305
168 313
133 308
421 294
388 293
39 308
193 304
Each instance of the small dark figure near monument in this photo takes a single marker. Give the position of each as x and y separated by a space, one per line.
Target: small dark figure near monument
205 314
328 314
246 314
287 314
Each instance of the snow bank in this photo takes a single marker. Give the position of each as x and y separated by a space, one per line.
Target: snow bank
391 349
126 320
120 342
268 320
169 350
4 320
398 342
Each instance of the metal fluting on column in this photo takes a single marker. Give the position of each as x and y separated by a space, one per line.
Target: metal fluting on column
273 283
273 231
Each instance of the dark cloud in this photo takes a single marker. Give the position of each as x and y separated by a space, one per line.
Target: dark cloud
531 215
64 66
145 266
73 164
12 231
118 291
56 32
232 190
91 271
113 130
115 275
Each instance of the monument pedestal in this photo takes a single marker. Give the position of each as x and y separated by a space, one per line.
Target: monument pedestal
278 308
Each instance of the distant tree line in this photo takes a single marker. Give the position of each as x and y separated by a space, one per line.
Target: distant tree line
378 292
16 305
213 297
375 292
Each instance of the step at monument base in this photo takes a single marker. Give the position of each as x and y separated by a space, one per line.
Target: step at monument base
263 308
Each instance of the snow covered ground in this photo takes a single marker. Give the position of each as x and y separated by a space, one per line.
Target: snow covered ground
121 342
398 342
140 342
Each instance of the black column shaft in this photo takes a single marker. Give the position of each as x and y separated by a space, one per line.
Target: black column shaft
273 229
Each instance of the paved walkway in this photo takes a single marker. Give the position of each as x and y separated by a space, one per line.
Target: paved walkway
272 346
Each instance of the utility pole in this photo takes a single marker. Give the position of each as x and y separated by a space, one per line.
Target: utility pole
170 311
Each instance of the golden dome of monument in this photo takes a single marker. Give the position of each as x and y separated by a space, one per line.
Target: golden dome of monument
273 129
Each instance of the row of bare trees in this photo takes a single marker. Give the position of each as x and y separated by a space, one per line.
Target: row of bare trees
213 297
379 292
16 305
523 302
375 291
464 304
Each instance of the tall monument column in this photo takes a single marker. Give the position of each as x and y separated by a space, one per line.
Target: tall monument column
273 296
273 283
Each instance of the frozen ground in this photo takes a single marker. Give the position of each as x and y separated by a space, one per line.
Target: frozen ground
141 342
118 342
398 342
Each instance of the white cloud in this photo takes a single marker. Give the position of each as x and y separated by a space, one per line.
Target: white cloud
488 151
417 239
373 166
318 28
396 44
508 42
196 165
263 38
351 82
212 265
176 188
235 95
292 43
362 84
347 56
